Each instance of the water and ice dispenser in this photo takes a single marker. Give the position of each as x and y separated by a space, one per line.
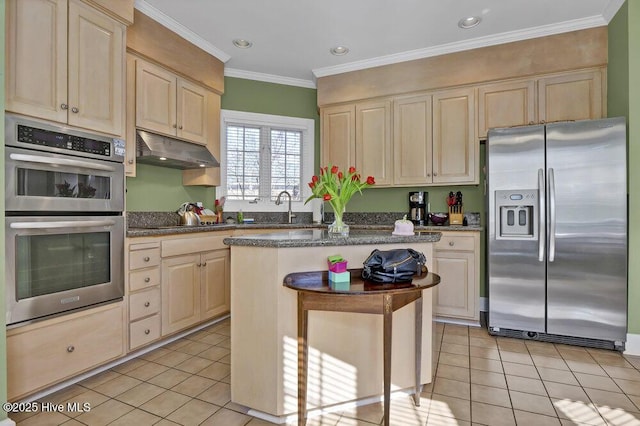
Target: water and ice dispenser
516 214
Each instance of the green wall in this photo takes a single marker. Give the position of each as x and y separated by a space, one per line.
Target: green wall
3 338
624 100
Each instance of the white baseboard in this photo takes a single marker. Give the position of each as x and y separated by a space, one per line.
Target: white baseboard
632 347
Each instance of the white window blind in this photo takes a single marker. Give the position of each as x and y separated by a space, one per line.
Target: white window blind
263 155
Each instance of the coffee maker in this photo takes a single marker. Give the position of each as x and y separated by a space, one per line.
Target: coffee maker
418 201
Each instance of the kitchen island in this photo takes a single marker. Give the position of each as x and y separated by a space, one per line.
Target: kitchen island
345 349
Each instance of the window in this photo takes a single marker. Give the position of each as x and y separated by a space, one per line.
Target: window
263 155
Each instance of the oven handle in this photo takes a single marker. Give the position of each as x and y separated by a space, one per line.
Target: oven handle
60 162
62 224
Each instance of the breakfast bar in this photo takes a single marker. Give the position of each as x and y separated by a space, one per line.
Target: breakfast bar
345 349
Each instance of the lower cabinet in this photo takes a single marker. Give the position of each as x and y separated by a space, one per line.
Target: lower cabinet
195 283
457 261
47 352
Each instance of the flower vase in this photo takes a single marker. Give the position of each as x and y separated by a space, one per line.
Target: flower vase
338 228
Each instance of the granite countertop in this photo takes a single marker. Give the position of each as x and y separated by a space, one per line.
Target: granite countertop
172 230
320 237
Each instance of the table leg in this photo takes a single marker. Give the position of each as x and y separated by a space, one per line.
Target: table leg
418 352
387 325
303 360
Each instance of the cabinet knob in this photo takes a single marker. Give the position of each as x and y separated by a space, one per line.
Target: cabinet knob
435 174
180 127
204 264
147 279
75 110
542 122
451 243
147 331
428 174
198 264
147 258
130 161
64 106
147 304
175 125
71 348
531 122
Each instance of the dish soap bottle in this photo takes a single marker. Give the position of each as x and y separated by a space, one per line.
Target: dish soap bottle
240 217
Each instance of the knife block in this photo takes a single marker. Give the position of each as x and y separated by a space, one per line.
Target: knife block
456 215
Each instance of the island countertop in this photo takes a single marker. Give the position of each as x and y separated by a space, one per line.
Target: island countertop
320 237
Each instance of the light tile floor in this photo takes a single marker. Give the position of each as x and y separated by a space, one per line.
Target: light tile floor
480 380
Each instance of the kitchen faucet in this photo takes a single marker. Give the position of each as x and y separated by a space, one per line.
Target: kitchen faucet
289 213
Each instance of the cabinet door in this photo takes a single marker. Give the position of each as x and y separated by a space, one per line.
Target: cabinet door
36 62
412 140
155 99
456 296
192 112
575 96
505 104
373 141
455 149
96 70
216 278
180 292
338 136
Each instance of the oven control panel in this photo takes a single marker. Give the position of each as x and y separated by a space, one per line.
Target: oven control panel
42 137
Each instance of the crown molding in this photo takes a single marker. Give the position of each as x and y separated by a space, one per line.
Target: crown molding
269 78
508 37
180 29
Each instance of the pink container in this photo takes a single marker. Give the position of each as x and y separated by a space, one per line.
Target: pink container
338 266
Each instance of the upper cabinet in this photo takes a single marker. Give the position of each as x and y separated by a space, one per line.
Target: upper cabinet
338 136
576 95
69 67
455 150
412 140
373 141
571 96
506 104
168 104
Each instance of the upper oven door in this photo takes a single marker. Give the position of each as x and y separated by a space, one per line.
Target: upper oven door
40 181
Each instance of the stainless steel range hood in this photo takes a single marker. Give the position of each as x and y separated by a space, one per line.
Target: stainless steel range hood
164 151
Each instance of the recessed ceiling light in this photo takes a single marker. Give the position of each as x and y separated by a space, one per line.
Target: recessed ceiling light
242 43
202 165
162 158
469 22
339 50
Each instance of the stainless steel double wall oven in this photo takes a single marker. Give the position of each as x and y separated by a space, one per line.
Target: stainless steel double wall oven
64 226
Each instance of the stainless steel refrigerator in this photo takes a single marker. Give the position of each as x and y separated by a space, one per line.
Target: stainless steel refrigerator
557 241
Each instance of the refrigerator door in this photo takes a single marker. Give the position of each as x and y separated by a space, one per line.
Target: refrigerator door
516 268
587 241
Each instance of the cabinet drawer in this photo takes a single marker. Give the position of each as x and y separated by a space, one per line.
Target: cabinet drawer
457 242
144 278
58 349
144 303
144 331
139 259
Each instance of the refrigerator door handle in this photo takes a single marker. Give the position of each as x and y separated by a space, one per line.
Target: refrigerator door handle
541 214
552 216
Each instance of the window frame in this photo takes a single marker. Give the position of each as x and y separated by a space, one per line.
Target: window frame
304 125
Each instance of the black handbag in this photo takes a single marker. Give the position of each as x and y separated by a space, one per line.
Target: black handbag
393 266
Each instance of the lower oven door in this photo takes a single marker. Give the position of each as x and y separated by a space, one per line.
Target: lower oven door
56 264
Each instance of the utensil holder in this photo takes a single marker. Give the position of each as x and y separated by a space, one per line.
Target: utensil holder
456 215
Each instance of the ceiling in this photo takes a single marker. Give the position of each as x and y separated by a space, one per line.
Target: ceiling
292 38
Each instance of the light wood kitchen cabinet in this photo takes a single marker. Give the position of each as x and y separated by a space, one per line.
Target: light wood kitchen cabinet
455 149
412 140
457 261
144 296
47 352
69 67
506 104
571 96
168 104
338 136
195 283
373 141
